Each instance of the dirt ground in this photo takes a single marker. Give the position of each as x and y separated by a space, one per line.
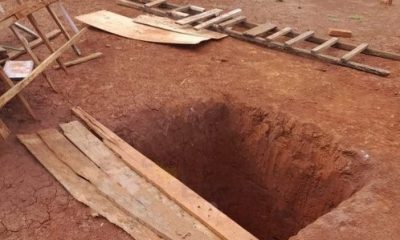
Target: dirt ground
136 86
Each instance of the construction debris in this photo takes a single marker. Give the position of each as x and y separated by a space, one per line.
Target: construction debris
18 69
126 27
82 60
337 32
111 177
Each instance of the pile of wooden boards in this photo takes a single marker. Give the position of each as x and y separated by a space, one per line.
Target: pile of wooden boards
119 183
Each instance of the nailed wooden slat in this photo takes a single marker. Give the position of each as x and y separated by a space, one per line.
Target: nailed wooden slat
217 221
83 191
4 131
136 186
168 225
200 16
325 45
260 29
218 19
354 52
299 38
82 59
15 90
232 22
155 3
278 34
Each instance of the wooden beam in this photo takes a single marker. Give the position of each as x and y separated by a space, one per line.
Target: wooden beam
354 52
299 38
218 19
260 29
278 34
200 16
232 22
82 60
214 219
325 45
154 3
10 94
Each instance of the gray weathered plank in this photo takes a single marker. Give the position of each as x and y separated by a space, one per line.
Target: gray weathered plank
299 38
325 45
360 48
260 29
200 16
278 34
216 20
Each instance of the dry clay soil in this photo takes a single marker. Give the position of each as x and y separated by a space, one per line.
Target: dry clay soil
143 91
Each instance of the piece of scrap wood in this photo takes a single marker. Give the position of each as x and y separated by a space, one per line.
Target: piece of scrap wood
4 131
15 90
125 27
359 49
134 184
221 18
156 217
83 191
260 29
337 32
81 60
154 3
232 22
214 219
169 24
200 16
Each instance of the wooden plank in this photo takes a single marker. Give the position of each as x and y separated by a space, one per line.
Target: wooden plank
27 30
325 45
217 221
260 29
354 52
155 3
199 17
83 191
136 186
4 131
167 225
336 32
218 19
278 34
232 22
82 60
169 24
299 38
126 27
10 94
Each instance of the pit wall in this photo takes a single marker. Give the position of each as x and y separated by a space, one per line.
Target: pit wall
269 172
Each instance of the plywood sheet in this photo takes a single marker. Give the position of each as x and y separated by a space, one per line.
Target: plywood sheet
126 27
169 24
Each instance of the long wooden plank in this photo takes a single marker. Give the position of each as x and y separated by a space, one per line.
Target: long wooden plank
232 22
136 186
325 45
126 27
299 38
354 52
155 3
83 191
221 18
169 24
10 94
167 225
4 131
217 221
200 16
260 29
82 59
278 34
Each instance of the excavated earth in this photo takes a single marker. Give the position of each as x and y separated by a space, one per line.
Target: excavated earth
289 147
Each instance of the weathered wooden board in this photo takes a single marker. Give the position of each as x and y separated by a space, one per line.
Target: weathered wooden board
169 24
217 221
4 131
136 185
218 19
200 16
126 27
83 191
167 224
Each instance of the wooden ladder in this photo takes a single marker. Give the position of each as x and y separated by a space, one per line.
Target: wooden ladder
266 34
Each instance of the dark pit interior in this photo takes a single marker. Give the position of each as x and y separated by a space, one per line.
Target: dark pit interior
270 173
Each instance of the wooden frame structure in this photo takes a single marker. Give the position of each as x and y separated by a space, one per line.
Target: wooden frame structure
263 34
26 10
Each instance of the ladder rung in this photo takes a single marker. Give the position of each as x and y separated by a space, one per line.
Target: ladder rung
154 3
178 14
260 29
232 22
354 52
219 19
200 16
325 45
299 38
282 32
